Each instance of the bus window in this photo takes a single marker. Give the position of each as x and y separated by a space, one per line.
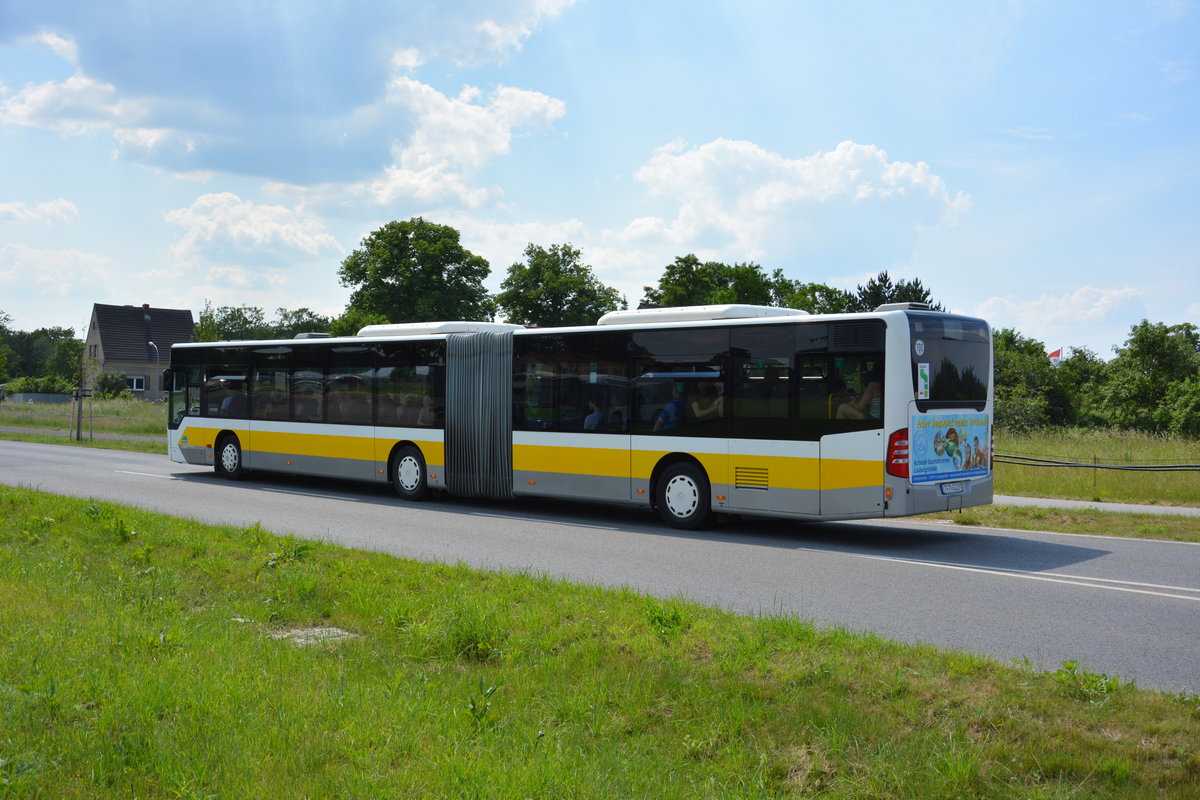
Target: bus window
686 399
838 394
225 393
348 385
269 385
593 396
410 385
762 381
957 358
308 383
184 398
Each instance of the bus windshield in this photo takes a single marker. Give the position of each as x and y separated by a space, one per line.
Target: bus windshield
952 361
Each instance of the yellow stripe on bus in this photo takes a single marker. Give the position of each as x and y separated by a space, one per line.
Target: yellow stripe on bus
837 473
571 460
310 444
358 448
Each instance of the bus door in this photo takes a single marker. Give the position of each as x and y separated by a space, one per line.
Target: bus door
769 469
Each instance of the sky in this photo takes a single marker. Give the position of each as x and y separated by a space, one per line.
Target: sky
1033 163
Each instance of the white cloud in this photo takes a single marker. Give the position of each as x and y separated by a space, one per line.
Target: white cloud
54 212
408 59
454 138
1084 316
503 244
221 224
244 279
51 272
739 191
75 106
266 105
506 29
63 47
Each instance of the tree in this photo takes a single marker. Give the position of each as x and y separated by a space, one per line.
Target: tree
30 350
1023 377
689 282
1073 399
553 288
232 323
302 320
66 361
815 298
417 271
353 320
1155 357
880 290
1181 407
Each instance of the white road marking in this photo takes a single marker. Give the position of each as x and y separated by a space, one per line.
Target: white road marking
1047 577
145 474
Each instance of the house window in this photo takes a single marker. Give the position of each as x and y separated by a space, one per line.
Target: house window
136 383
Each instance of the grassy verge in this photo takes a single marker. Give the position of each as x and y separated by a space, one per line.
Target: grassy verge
1107 447
106 444
1100 523
144 656
101 416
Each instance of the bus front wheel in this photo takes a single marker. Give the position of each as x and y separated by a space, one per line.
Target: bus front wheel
682 497
408 474
228 463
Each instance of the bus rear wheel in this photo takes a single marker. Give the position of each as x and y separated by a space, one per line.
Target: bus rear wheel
408 474
228 461
682 497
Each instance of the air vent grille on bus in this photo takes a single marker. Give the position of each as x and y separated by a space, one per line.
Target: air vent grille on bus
855 335
750 478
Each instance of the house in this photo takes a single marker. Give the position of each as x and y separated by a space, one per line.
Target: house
136 342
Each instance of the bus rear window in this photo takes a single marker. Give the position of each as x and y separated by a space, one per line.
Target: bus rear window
951 360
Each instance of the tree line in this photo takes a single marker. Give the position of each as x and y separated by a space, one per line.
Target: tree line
1153 383
419 271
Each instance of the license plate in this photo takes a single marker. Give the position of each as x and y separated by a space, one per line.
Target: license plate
951 488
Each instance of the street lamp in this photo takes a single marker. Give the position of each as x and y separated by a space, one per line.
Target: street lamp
157 372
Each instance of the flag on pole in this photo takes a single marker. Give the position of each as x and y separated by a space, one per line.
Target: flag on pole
1056 356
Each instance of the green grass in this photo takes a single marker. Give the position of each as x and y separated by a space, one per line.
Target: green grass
1099 523
103 416
1108 447
140 657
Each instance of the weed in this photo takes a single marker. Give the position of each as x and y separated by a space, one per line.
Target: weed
1079 684
292 552
479 703
470 634
664 621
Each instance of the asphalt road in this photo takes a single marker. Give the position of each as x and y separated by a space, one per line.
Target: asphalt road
1123 607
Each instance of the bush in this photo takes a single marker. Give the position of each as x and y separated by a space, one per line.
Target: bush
50 384
109 385
1180 411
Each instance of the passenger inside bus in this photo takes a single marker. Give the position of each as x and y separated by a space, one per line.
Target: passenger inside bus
868 401
708 404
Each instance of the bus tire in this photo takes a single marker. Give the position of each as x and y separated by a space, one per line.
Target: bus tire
228 461
409 477
682 497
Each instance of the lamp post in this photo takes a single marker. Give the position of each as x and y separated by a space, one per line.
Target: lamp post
157 372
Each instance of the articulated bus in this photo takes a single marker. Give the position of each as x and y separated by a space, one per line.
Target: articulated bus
691 412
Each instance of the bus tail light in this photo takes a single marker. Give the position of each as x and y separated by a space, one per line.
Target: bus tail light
897 454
